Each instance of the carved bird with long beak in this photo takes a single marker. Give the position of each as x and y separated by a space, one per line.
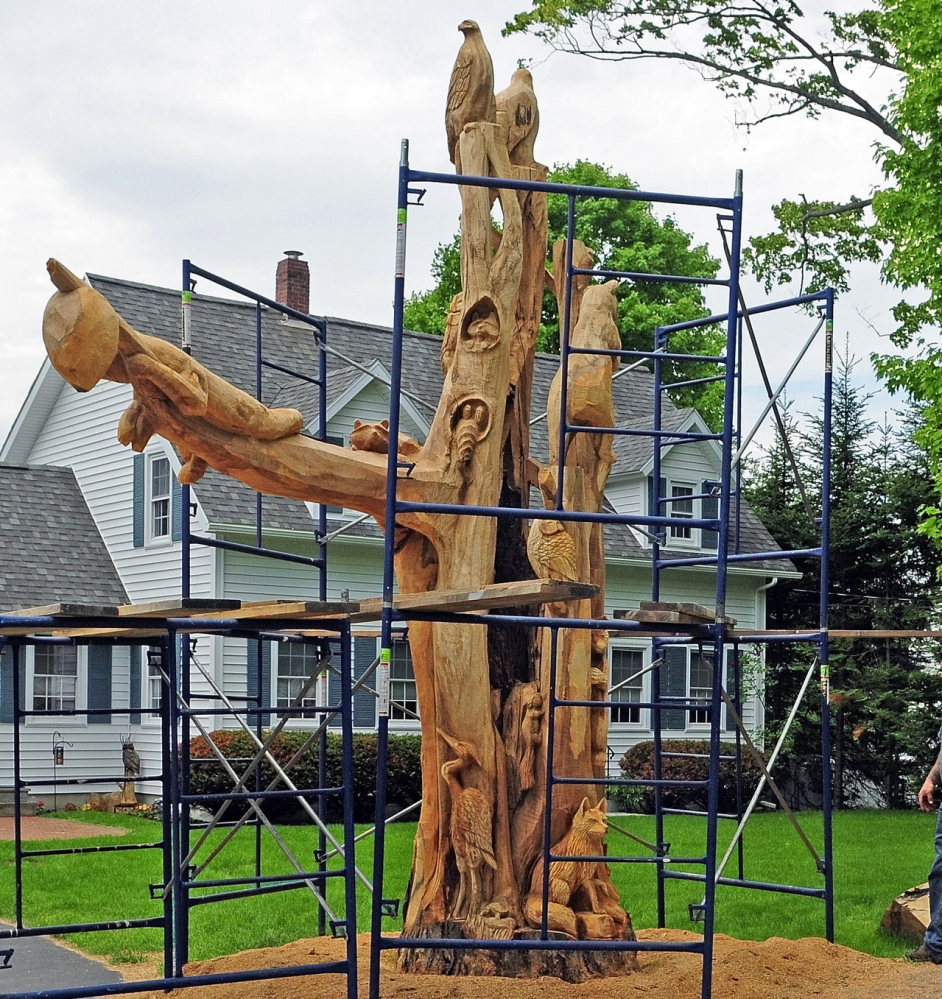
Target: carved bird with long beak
471 830
471 90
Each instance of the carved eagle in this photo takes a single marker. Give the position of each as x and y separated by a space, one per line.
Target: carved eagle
519 113
471 90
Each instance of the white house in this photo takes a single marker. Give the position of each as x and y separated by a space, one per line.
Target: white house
85 519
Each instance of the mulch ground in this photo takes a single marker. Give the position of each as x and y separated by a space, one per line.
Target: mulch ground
39 827
743 969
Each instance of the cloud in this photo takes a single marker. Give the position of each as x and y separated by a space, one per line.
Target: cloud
226 131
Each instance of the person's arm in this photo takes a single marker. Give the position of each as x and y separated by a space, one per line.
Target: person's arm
927 791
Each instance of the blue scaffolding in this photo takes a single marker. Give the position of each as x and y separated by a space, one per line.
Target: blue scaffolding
715 636
179 717
165 634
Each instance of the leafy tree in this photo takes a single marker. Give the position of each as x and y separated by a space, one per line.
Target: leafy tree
775 61
878 64
426 312
625 236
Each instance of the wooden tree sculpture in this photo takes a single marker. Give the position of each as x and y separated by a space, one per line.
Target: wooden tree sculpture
482 691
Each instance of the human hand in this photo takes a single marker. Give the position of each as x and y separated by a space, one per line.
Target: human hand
927 795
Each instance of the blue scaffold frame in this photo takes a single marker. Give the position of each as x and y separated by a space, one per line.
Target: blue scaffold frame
413 185
178 716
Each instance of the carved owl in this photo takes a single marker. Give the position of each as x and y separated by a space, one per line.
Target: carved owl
552 551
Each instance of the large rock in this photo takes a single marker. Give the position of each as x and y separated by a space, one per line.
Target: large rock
908 914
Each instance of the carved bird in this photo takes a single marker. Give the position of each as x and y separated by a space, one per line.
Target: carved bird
131 759
472 836
519 113
471 90
552 551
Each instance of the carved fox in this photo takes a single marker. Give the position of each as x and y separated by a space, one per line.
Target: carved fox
584 839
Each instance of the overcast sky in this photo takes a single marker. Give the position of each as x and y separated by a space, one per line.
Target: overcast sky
133 135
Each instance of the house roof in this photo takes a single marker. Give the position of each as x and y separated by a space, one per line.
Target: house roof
223 336
50 548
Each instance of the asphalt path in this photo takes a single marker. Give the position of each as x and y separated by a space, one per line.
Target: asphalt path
40 963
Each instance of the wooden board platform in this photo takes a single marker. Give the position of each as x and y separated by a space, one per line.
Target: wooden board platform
66 610
179 607
495 596
663 612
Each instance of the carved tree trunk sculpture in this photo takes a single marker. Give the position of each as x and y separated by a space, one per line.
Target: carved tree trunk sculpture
482 691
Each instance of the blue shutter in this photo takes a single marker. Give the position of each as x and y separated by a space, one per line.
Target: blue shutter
134 684
674 684
333 690
364 703
176 505
138 501
710 508
6 683
98 682
258 669
732 687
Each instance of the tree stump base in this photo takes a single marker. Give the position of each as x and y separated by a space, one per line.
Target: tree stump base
569 965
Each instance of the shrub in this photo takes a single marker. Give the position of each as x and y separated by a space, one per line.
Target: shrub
638 764
403 772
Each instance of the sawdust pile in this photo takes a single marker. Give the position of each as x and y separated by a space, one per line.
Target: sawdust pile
743 969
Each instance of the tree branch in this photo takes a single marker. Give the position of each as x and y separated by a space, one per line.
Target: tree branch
742 42
851 206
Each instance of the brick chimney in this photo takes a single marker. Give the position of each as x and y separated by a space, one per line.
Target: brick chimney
293 282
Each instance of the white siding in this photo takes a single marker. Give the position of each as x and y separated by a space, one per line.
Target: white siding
90 750
80 433
371 405
627 586
628 494
690 463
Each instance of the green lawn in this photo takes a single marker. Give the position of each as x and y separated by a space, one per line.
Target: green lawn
879 854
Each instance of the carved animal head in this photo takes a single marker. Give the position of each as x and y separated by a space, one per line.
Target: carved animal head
480 326
464 751
590 822
468 27
80 329
522 75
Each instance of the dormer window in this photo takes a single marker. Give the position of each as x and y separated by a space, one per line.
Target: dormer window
686 500
681 507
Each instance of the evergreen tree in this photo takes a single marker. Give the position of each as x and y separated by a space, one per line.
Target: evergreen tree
886 693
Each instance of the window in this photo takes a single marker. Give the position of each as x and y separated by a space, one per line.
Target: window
296 664
402 692
701 686
159 498
681 507
626 667
680 500
55 677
